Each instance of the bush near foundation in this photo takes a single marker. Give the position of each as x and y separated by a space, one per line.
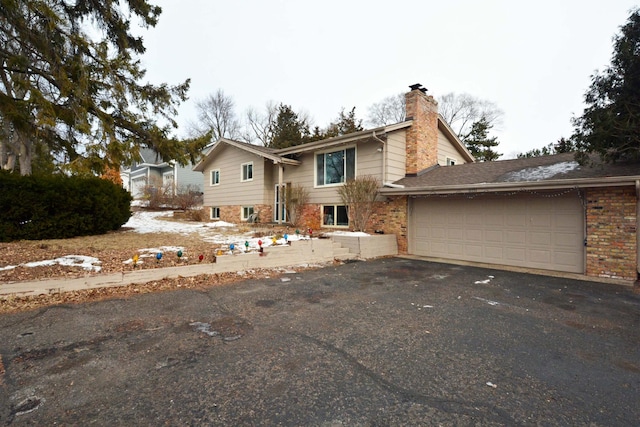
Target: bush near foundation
57 207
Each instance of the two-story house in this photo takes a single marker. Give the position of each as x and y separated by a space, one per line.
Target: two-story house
547 213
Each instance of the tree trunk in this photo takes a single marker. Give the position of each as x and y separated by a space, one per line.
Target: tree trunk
26 153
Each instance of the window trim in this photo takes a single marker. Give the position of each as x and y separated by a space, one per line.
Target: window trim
242 209
334 150
450 161
242 169
335 208
211 183
211 210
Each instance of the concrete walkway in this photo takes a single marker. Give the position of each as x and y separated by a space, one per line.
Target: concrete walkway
315 251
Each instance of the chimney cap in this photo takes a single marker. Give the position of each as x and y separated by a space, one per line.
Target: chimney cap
419 87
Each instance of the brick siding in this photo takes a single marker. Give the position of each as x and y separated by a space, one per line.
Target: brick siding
422 136
233 213
612 223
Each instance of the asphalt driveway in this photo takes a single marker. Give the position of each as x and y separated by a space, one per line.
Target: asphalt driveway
383 342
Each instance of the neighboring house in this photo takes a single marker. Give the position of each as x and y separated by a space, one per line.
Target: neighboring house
544 213
153 170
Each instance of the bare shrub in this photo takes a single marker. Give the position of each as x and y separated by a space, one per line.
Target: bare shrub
199 215
359 195
156 194
295 198
187 198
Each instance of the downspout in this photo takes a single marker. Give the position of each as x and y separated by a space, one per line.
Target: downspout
637 232
384 155
281 191
175 179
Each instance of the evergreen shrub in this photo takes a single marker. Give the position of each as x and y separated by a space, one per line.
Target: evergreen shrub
58 207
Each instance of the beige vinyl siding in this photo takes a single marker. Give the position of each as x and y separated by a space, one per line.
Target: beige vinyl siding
232 191
396 156
369 159
447 150
368 162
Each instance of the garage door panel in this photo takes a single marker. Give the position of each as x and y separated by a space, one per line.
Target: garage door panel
565 258
516 256
540 221
538 238
473 235
455 249
516 220
540 256
494 236
519 237
521 231
494 252
474 251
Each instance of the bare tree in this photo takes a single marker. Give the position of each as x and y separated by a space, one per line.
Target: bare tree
260 125
388 111
359 195
461 111
216 114
296 198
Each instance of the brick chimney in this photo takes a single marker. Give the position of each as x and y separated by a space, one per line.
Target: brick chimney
422 136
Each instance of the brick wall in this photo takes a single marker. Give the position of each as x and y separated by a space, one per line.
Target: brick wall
612 233
422 136
391 217
233 213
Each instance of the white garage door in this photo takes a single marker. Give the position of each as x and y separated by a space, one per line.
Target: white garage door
536 232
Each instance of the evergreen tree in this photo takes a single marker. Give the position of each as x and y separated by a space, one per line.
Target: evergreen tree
288 129
76 88
479 143
346 123
610 124
562 146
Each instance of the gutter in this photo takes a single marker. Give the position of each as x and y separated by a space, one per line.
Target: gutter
637 283
515 186
384 154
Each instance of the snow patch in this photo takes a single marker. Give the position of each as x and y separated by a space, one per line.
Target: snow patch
541 172
84 262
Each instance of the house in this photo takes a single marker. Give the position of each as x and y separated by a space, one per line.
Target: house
546 213
152 170
242 179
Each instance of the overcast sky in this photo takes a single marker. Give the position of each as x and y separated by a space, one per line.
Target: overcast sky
532 59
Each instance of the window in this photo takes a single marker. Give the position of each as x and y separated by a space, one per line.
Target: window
335 216
335 167
215 177
247 171
247 211
215 213
450 162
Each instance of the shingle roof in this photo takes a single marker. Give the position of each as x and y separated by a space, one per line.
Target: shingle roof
559 167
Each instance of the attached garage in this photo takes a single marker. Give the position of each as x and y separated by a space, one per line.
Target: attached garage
542 231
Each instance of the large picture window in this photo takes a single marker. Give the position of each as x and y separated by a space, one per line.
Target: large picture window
335 167
335 216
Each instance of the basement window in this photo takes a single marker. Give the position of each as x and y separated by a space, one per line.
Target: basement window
335 216
215 213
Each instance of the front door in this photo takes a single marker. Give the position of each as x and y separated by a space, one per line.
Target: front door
280 208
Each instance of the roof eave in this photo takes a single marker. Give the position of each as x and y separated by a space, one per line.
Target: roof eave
446 129
498 187
343 139
273 157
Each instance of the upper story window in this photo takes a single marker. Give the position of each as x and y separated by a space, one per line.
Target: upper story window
450 161
335 167
215 177
247 171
